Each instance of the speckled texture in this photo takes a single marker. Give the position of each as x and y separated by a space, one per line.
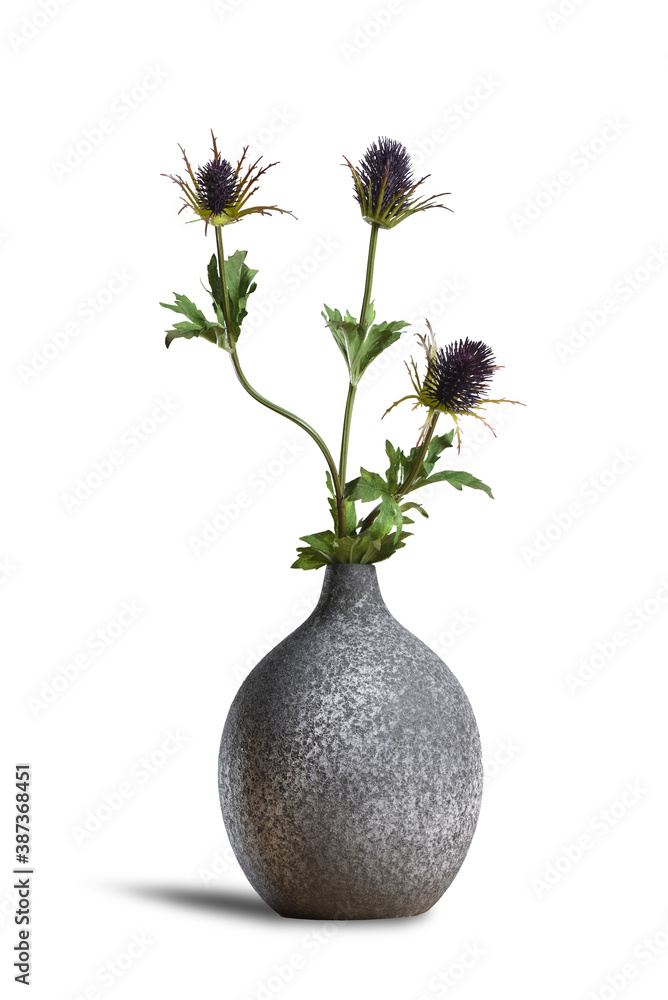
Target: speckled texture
350 772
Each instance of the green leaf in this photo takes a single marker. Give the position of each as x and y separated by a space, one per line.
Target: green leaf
368 486
413 506
395 470
458 479
347 333
437 446
401 465
360 342
197 325
389 517
322 541
309 558
214 283
390 544
240 284
378 339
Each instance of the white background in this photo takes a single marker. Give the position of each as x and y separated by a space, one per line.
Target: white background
549 603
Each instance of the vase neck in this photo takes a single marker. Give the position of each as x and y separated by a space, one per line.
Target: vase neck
350 587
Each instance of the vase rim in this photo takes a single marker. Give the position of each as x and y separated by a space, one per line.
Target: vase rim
351 566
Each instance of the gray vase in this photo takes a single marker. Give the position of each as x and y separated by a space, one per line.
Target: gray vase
350 773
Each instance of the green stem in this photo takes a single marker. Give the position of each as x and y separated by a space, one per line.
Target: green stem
370 263
223 281
345 438
352 388
340 506
404 487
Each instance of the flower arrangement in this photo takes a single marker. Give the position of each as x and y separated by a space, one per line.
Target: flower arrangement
455 383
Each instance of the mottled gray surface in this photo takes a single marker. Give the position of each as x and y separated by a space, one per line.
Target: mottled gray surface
350 772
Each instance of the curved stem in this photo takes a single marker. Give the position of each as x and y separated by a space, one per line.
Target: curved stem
340 506
352 388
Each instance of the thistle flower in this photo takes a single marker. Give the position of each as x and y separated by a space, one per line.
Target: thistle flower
218 192
385 187
456 381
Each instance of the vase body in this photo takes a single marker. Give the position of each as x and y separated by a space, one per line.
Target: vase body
350 772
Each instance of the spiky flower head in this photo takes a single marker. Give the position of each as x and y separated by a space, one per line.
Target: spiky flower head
218 192
385 186
458 376
456 381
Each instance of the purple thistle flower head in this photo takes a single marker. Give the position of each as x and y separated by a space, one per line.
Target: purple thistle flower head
386 171
458 376
385 186
217 185
456 381
218 192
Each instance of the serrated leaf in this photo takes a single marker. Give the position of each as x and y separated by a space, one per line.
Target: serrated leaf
240 284
196 325
214 283
323 541
437 446
390 544
333 318
309 558
413 506
384 521
347 333
378 339
395 469
368 486
458 479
